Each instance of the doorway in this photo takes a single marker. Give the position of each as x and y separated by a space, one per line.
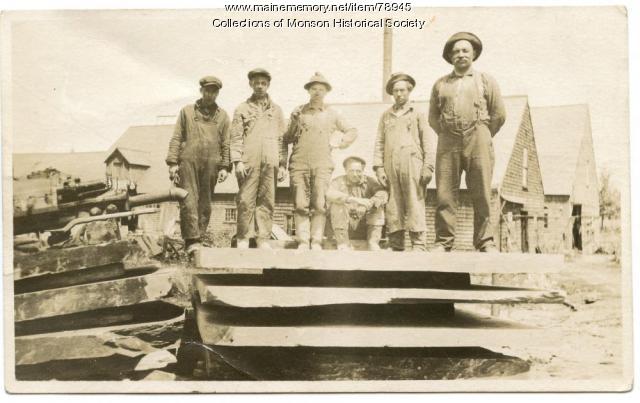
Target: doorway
524 231
576 231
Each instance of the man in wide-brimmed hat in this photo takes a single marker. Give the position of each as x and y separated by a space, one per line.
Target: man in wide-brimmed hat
466 110
310 128
199 157
356 205
403 161
259 157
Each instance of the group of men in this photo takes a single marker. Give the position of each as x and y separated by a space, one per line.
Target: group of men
466 111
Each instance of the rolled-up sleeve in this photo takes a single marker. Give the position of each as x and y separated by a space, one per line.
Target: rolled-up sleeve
495 104
236 136
434 109
380 195
177 139
378 149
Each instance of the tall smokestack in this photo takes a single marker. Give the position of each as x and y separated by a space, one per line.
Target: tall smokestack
387 50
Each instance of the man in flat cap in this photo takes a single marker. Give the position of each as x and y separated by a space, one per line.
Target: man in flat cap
310 129
403 161
356 205
198 157
259 156
466 111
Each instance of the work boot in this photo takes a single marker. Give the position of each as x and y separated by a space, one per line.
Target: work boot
374 233
342 238
263 244
489 248
439 248
302 230
396 241
243 243
317 231
418 241
193 247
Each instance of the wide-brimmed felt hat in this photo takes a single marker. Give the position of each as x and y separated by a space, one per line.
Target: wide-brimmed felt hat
395 77
317 78
467 36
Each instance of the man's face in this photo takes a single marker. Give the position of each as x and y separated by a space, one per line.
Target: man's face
355 172
462 54
209 94
400 92
317 92
260 85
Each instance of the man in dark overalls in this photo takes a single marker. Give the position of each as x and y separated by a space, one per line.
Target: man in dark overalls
199 156
466 111
259 157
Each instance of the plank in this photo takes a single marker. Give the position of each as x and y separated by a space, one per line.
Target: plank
67 300
69 278
53 261
458 331
93 343
262 297
257 260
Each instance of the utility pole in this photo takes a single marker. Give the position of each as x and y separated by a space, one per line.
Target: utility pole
387 50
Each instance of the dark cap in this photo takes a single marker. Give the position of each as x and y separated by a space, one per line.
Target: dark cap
317 78
395 77
353 158
466 36
210 80
259 72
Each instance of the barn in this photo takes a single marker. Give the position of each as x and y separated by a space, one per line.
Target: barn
572 204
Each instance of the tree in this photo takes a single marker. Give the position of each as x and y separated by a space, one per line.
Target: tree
609 198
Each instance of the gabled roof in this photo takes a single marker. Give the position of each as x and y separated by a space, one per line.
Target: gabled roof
559 132
133 157
87 166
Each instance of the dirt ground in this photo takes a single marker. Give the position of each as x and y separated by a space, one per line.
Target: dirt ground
584 340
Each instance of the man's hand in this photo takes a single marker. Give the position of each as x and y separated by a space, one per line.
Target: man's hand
241 171
222 175
282 173
174 173
382 176
426 175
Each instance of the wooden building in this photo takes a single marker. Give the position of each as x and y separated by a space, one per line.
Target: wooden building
572 204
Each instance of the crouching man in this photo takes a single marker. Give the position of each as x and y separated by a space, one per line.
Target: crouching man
355 201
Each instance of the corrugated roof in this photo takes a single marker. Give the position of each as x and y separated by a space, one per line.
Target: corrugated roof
559 132
87 166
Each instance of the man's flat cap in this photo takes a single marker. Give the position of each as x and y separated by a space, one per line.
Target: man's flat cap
259 72
467 36
317 78
210 80
353 158
395 77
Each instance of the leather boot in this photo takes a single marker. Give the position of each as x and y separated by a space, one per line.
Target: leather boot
342 238
302 230
374 233
418 241
317 231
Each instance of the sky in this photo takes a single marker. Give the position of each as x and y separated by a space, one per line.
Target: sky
78 79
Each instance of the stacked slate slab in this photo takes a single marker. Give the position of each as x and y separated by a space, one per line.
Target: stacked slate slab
326 315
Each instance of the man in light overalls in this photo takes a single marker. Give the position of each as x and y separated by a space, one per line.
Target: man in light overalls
259 156
466 111
199 157
403 161
310 165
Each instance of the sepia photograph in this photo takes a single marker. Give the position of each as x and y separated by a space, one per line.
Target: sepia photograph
264 197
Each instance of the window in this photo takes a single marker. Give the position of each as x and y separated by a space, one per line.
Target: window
230 215
546 220
525 169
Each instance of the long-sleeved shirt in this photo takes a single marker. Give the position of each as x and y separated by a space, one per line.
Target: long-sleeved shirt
309 130
200 134
341 189
458 103
405 124
257 133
